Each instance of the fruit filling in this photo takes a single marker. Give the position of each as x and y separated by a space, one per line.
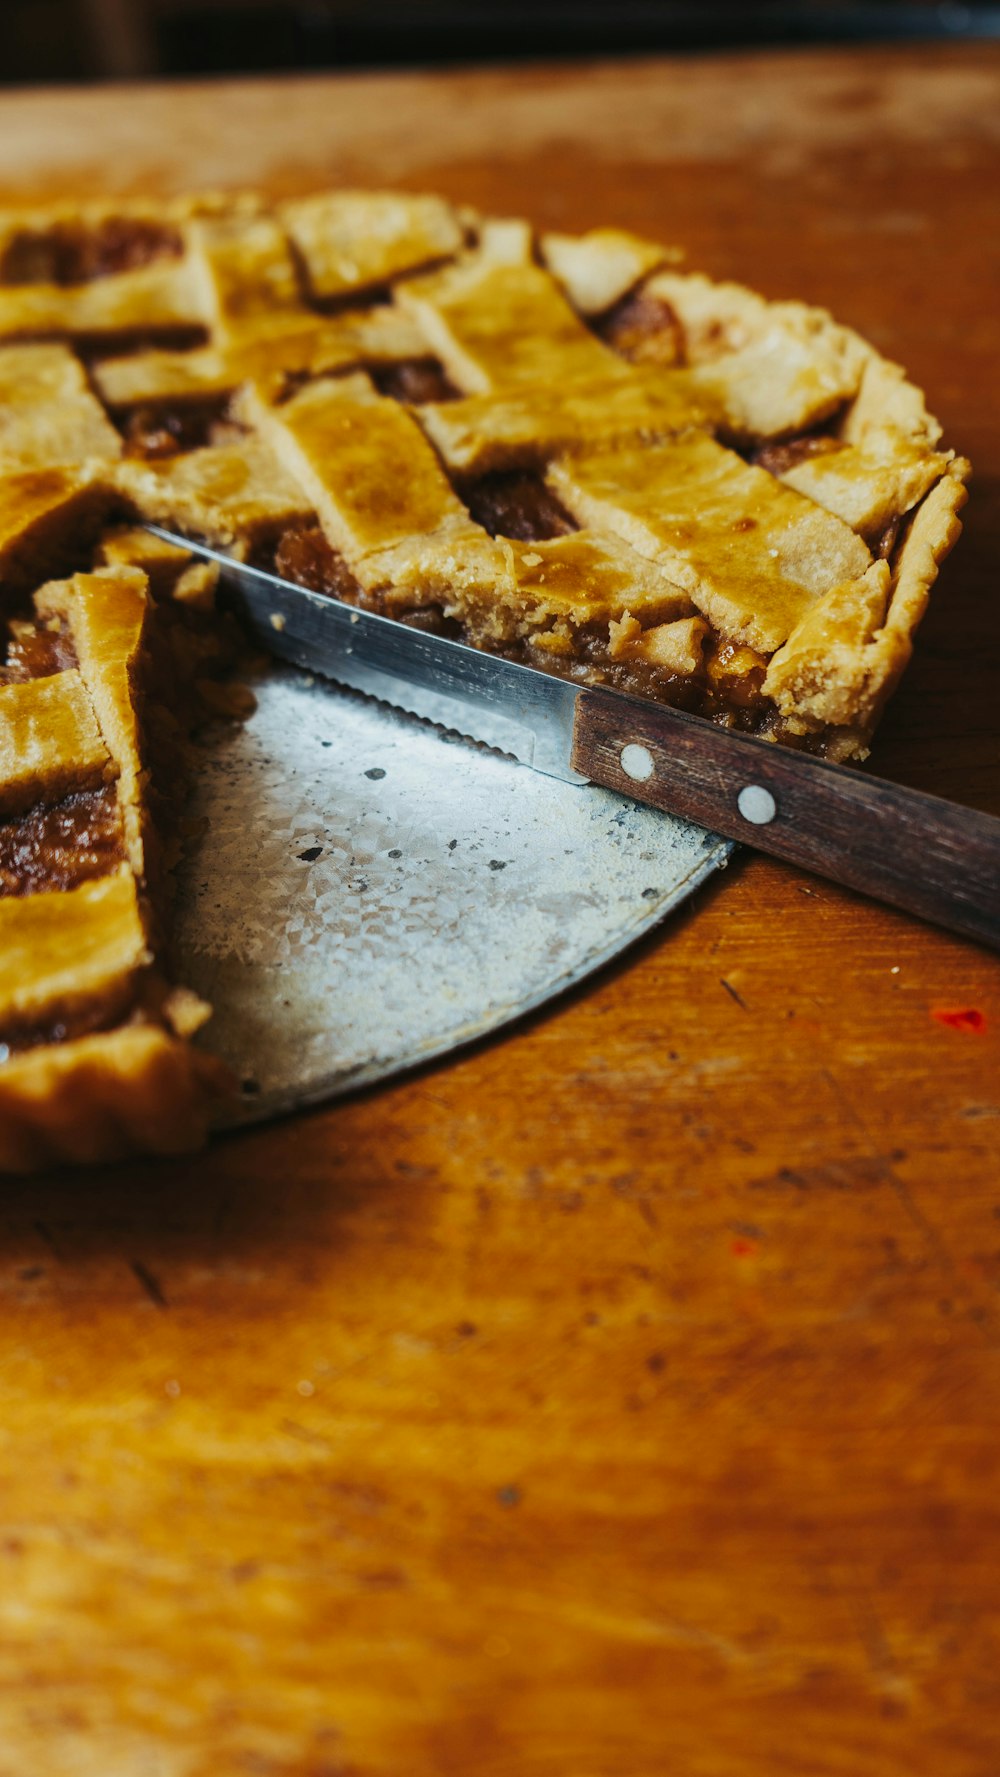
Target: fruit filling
644 328
301 553
517 505
56 848
415 380
36 651
70 254
153 432
777 459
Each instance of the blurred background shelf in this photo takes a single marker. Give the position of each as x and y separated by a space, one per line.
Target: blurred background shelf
73 40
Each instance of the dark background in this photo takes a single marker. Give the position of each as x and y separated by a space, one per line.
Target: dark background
66 40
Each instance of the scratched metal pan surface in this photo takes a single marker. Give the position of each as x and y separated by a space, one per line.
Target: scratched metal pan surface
371 893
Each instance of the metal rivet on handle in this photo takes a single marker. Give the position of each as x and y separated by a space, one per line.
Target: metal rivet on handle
756 804
636 762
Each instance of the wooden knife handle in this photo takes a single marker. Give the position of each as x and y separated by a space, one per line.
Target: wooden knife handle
928 856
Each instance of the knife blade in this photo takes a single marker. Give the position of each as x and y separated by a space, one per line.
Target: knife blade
923 854
513 708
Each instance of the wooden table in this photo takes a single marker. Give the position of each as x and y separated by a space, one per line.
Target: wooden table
620 1398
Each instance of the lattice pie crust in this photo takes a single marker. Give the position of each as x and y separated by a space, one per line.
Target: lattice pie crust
567 449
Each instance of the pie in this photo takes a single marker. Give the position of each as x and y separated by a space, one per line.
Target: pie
567 449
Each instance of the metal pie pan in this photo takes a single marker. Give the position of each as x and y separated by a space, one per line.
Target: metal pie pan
370 893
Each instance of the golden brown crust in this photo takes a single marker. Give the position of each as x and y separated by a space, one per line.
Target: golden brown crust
845 658
355 241
752 555
225 494
50 742
581 454
311 346
93 1061
106 616
46 514
871 485
530 426
363 462
154 299
246 278
171 571
597 269
70 952
935 530
495 324
139 1090
47 412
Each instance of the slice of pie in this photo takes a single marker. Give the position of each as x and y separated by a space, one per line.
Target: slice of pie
566 449
96 1057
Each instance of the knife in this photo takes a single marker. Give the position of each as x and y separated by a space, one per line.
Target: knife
920 853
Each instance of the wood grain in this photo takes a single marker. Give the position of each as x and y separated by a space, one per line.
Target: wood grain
933 858
622 1396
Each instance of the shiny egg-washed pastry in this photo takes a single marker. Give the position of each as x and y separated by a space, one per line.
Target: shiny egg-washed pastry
568 449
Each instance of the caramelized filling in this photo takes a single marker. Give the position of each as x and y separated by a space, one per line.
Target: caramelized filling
433 622
375 296
69 254
516 505
35 653
154 432
735 677
57 848
302 554
83 1022
288 383
592 663
728 691
415 380
887 542
174 336
644 328
777 459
